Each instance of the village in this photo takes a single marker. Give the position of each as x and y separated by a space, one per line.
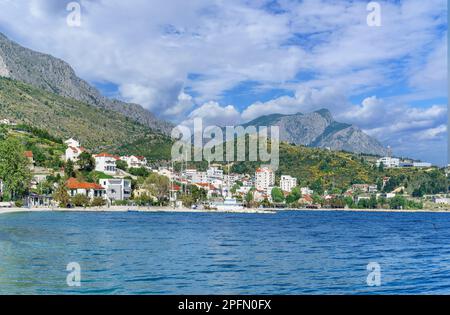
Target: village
129 181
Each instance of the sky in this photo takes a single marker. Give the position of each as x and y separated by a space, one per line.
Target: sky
230 61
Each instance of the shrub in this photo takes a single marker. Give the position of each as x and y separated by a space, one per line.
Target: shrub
19 203
98 202
80 200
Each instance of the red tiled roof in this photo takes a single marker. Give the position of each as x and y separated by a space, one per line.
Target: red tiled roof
73 183
28 154
104 154
176 187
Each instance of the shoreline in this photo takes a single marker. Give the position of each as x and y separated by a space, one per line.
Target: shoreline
188 210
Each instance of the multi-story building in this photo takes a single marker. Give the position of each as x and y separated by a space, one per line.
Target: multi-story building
215 172
389 162
199 177
264 178
287 183
116 188
106 163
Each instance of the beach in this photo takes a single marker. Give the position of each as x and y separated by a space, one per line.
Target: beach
189 210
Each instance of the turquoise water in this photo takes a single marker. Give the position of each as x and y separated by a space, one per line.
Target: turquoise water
200 253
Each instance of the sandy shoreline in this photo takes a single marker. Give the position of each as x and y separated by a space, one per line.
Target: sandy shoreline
185 210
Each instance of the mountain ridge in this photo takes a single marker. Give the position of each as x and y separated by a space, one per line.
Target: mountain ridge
54 75
319 129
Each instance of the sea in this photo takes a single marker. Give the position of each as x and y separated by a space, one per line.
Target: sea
288 252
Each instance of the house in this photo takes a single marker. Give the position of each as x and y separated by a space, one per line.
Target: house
29 156
72 153
364 188
306 200
117 189
37 200
261 195
91 190
306 191
287 183
264 178
200 177
72 143
442 201
134 161
7 122
106 163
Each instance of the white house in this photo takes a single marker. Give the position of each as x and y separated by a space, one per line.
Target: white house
91 190
264 178
72 143
422 164
134 161
117 189
443 201
74 149
72 153
7 122
214 172
199 177
306 191
389 162
287 183
106 163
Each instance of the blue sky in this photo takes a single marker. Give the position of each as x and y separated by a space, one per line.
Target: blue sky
232 61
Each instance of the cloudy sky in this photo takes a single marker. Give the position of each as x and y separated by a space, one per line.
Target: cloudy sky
230 61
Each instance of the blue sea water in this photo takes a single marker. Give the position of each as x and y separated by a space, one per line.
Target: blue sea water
301 252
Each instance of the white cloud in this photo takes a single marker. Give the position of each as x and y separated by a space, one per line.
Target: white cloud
173 56
213 114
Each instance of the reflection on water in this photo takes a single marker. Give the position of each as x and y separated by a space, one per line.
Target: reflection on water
194 253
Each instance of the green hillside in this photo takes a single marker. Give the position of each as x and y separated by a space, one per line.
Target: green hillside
336 171
97 129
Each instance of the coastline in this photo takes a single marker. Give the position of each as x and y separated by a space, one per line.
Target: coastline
188 210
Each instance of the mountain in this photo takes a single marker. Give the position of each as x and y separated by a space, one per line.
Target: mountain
97 128
319 129
56 76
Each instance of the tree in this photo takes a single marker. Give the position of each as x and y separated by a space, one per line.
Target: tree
122 165
86 162
249 198
349 202
398 202
14 171
198 194
69 169
158 186
294 196
141 171
418 192
62 196
373 202
277 195
381 167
